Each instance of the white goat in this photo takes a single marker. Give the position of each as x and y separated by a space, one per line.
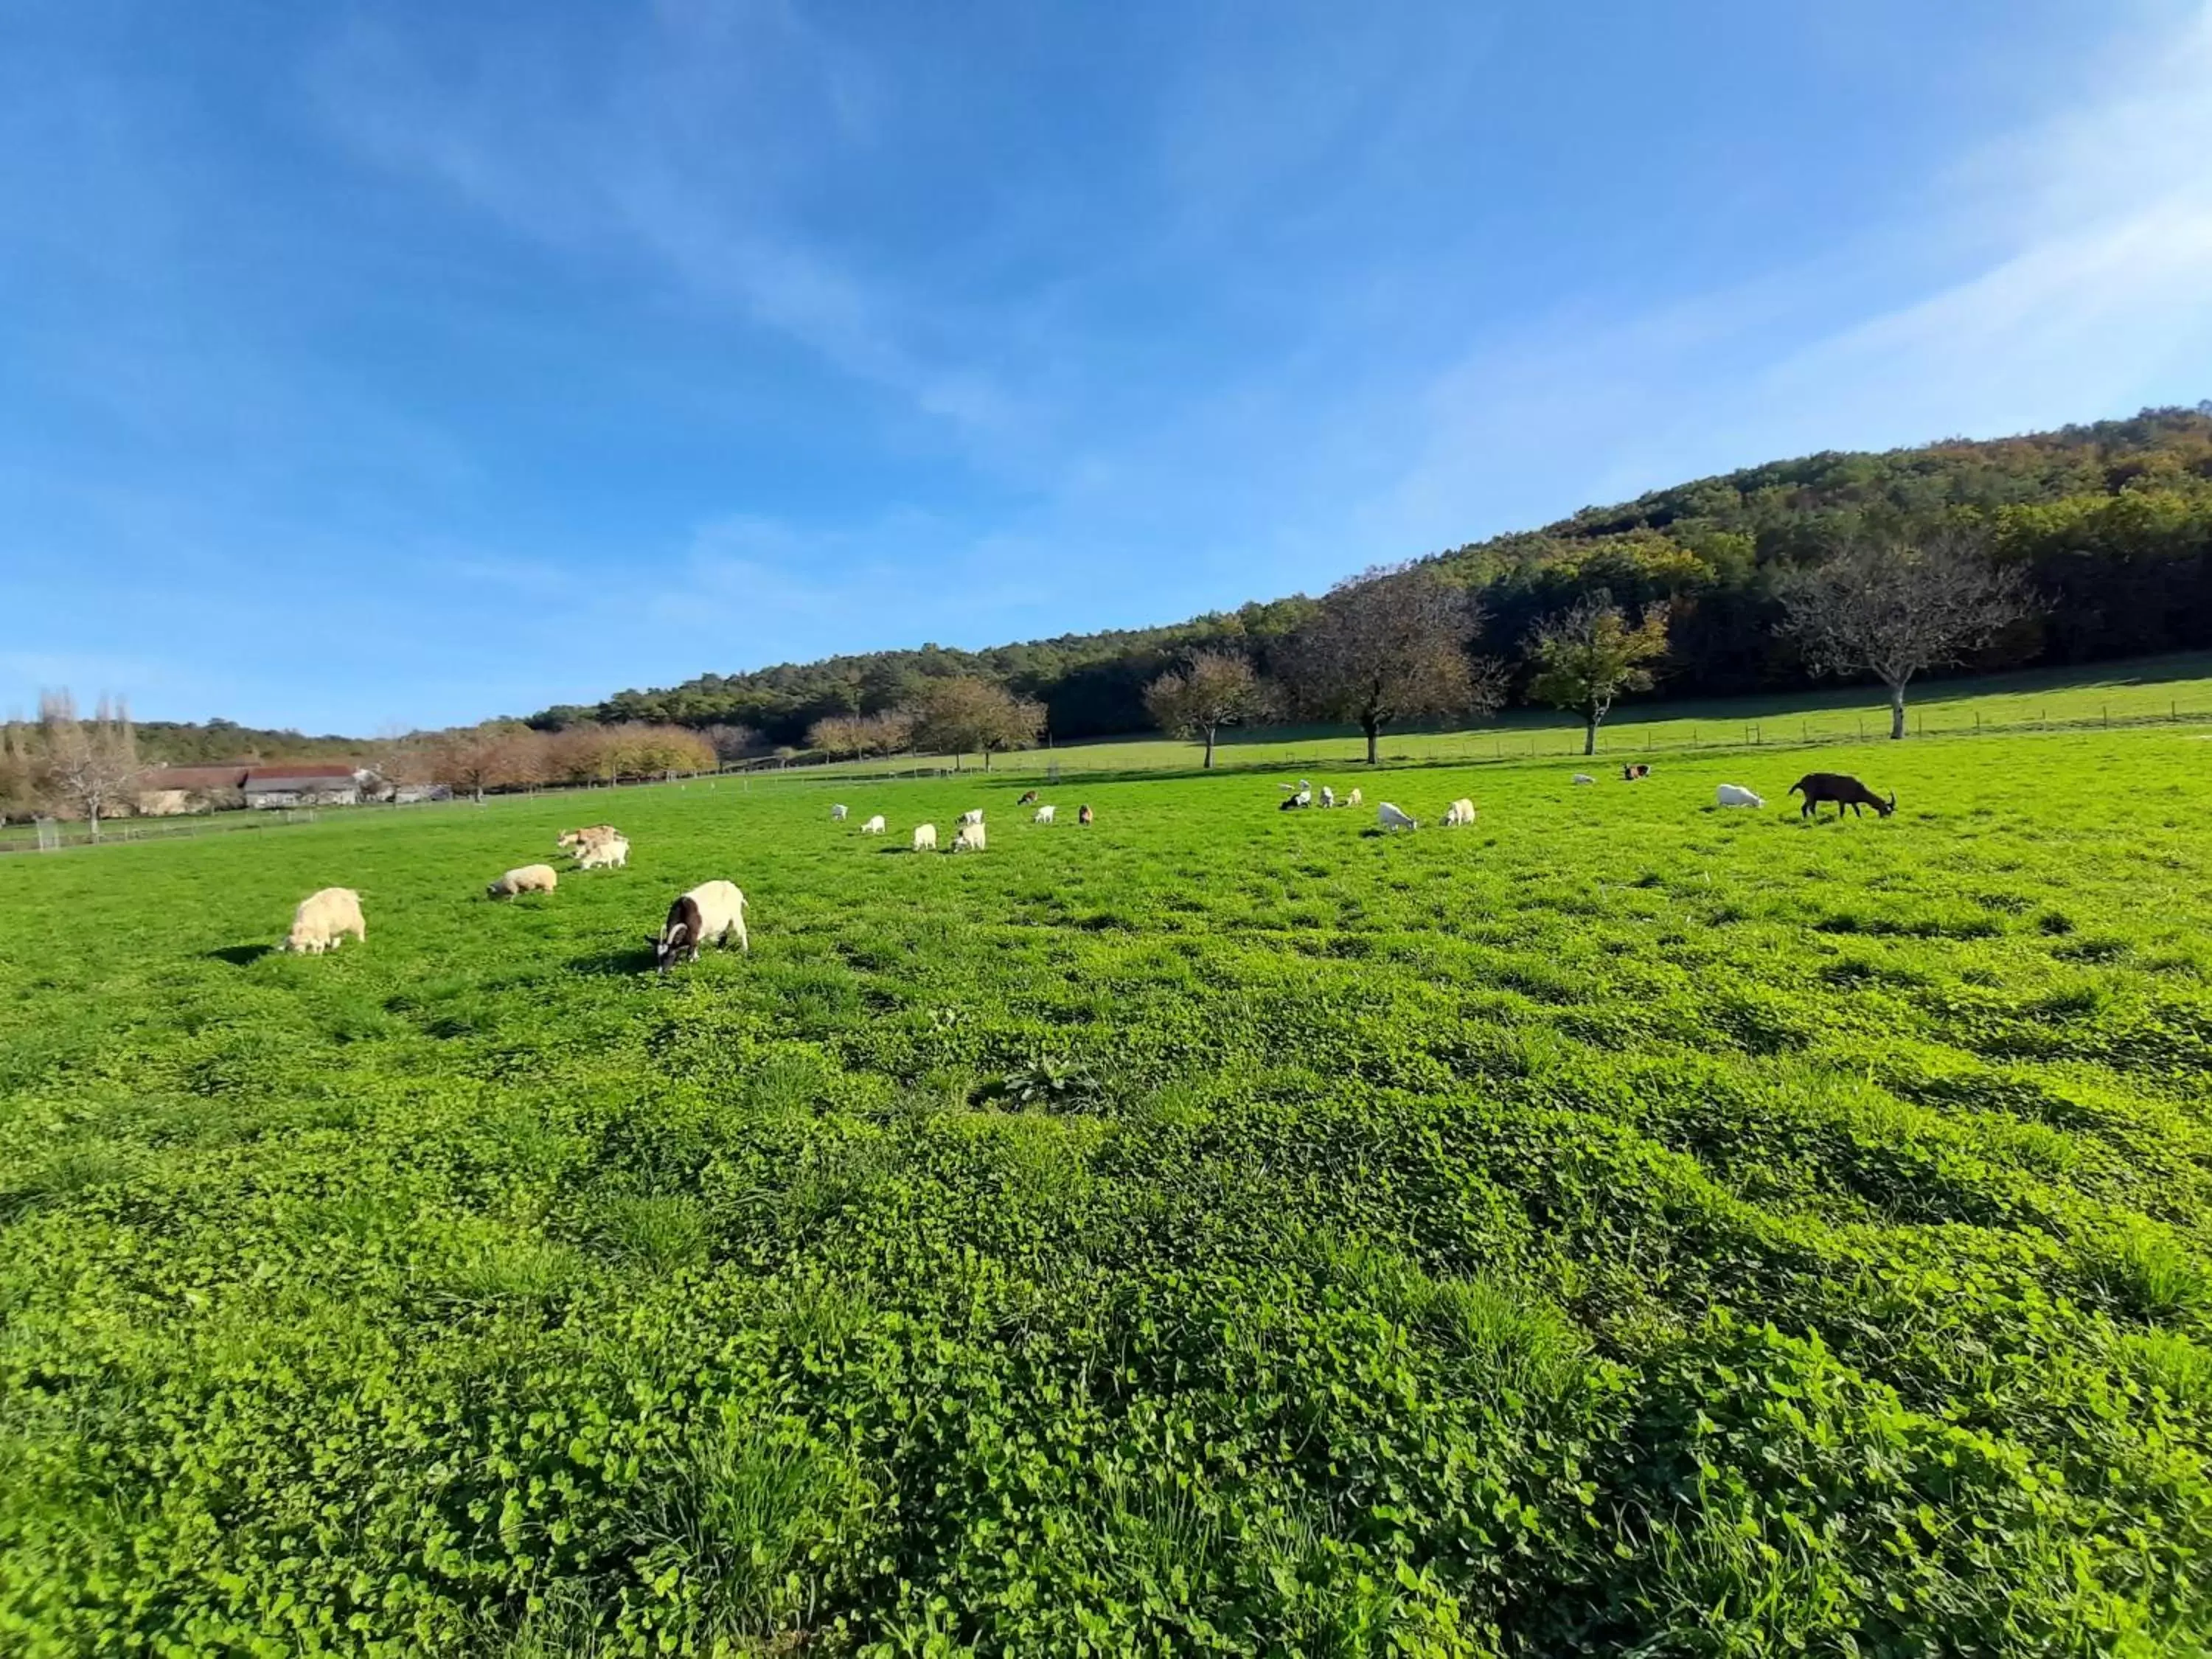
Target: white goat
323 920
837 813
1460 811
612 853
874 826
1352 799
973 815
925 838
1735 794
530 878
1043 814
969 839
1584 777
1391 818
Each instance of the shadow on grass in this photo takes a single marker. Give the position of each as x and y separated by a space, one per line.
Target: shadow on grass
241 955
614 965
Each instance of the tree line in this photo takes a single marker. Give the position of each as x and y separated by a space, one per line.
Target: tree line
2085 544
94 769
2106 527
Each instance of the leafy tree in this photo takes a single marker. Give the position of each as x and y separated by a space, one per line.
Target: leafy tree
92 770
1389 645
956 716
1212 689
1590 654
1895 607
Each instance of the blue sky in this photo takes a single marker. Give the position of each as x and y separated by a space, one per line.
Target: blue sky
394 364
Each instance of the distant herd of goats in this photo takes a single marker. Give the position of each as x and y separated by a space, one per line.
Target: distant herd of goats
713 912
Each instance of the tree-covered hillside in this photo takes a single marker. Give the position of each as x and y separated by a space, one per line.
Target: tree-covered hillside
2111 522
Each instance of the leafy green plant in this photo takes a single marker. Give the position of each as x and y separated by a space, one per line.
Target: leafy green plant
1577 1240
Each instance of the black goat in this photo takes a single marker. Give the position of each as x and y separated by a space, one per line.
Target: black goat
1844 790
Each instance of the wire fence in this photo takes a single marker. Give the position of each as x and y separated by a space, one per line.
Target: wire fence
1617 744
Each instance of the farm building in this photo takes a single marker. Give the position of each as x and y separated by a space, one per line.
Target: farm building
166 791
306 783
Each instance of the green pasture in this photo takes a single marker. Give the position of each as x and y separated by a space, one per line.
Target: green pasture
1623 1225
2147 689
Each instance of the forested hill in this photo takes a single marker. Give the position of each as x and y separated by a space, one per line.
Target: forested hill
2112 521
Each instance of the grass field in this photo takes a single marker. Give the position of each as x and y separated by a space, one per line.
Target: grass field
2146 688
1621 1225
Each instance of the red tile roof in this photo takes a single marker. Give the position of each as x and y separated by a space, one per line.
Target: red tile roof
191 777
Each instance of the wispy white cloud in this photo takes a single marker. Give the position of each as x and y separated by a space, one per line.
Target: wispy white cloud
2061 271
687 152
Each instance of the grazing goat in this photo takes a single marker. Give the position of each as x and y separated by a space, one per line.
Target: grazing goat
612 853
1584 777
1327 796
530 878
1735 794
969 839
1300 795
1043 814
1843 789
1083 815
1029 797
713 913
575 840
1460 811
1391 818
837 813
1636 769
976 815
1352 799
874 826
323 920
925 838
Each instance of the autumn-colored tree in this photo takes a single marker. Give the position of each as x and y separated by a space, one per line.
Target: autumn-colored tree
496 755
631 748
890 732
89 769
839 735
963 716
1212 690
1894 607
1590 654
1391 645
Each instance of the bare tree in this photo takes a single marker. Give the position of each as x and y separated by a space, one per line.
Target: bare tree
19 779
1391 645
89 769
1892 608
495 754
1590 654
1214 688
731 742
